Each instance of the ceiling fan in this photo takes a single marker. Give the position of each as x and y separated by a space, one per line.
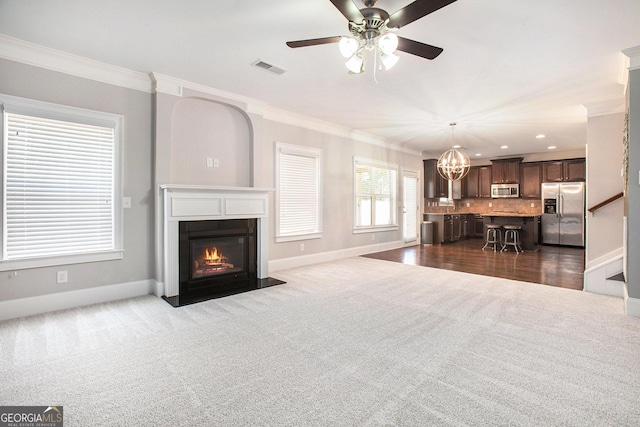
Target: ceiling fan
372 29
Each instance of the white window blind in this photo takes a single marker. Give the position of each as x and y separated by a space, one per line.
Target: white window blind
58 187
298 185
375 194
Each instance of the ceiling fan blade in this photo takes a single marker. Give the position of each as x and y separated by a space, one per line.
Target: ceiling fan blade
314 42
349 10
415 11
419 49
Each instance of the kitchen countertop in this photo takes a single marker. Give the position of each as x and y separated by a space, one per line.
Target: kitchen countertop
503 214
512 214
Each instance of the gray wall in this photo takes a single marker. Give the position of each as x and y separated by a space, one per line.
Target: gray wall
633 189
198 125
36 83
337 199
202 129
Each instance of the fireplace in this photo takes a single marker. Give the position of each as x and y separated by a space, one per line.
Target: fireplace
217 258
214 242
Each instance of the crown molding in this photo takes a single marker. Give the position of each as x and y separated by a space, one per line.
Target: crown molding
176 87
55 60
605 107
634 57
293 119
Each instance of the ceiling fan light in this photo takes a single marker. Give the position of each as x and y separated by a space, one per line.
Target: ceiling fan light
388 61
348 46
388 43
354 64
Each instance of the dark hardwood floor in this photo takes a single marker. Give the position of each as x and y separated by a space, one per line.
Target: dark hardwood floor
548 265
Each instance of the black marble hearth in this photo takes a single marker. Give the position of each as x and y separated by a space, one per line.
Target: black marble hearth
217 258
176 301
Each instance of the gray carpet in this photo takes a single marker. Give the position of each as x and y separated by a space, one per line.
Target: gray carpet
359 342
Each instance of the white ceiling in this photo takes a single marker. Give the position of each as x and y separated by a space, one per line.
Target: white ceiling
511 69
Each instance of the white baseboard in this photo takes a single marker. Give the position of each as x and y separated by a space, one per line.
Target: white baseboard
631 305
299 261
21 307
605 259
158 288
612 288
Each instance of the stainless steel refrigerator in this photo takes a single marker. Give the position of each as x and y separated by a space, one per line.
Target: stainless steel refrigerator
563 213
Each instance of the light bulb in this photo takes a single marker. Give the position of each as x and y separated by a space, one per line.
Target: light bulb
354 64
348 46
389 60
388 43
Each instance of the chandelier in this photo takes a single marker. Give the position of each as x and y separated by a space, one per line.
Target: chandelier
453 164
356 49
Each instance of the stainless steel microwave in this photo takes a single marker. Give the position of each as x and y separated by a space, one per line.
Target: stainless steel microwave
505 190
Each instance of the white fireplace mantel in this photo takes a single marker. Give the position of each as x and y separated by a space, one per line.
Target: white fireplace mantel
204 203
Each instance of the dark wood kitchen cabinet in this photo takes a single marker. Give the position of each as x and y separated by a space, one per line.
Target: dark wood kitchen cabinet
563 170
574 170
530 180
472 183
435 186
484 181
478 226
479 182
506 171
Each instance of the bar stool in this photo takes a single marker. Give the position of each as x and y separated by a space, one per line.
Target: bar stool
494 236
512 238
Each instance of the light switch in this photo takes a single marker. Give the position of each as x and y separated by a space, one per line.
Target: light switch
209 162
216 163
126 202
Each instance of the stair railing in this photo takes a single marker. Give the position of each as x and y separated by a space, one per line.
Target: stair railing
605 202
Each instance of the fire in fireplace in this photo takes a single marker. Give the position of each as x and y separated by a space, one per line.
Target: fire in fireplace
208 258
216 258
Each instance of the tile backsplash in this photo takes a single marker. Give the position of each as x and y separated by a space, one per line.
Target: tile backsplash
486 206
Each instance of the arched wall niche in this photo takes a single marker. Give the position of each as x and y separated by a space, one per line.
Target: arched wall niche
203 129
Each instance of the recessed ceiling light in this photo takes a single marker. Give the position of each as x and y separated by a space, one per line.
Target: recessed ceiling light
478 154
540 136
504 146
551 147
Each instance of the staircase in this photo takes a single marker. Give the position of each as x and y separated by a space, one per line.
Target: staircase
606 276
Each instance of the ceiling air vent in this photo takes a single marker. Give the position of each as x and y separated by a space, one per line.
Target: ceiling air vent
269 67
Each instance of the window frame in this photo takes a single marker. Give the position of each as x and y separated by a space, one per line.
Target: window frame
28 107
316 153
393 167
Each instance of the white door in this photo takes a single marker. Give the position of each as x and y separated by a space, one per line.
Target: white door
410 207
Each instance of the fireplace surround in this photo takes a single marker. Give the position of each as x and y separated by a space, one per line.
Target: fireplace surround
214 242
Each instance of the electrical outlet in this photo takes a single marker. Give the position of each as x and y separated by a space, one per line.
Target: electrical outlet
61 276
468 204
209 162
533 205
216 163
301 247
126 202
490 204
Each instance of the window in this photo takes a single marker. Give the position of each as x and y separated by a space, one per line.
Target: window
299 192
60 185
375 195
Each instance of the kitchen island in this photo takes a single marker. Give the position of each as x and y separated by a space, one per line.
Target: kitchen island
530 232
